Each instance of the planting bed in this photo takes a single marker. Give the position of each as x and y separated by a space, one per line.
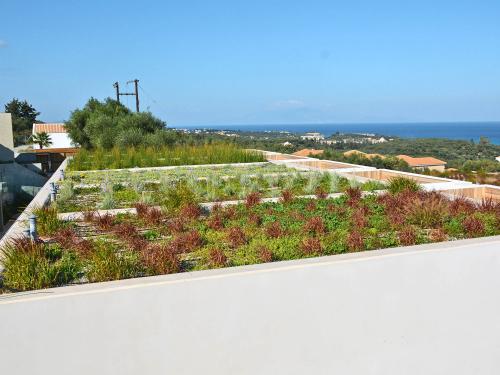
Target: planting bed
122 188
131 157
185 238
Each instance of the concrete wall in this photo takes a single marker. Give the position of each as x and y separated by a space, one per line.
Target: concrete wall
17 177
6 138
419 310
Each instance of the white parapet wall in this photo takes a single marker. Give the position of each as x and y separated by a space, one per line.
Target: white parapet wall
431 309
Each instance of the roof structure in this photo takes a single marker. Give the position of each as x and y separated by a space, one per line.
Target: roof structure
307 152
421 162
49 128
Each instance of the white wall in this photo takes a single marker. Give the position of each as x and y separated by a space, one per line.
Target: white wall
420 310
59 140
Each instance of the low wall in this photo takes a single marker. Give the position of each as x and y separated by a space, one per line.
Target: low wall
429 309
40 199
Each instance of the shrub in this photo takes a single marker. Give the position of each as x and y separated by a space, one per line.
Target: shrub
461 205
141 209
178 196
315 226
265 255
311 205
104 222
252 200
106 263
215 222
473 226
186 242
353 195
217 258
321 193
47 220
236 237
177 224
159 259
355 241
429 210
359 219
191 211
400 184
407 236
274 230
34 265
108 201
255 219
286 196
68 239
437 235
310 246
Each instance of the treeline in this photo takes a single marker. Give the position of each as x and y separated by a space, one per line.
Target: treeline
458 154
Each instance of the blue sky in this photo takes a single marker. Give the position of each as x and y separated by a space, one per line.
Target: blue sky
253 62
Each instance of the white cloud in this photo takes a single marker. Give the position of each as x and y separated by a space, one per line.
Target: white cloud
289 104
3 43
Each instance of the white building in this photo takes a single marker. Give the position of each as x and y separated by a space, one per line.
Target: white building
58 135
313 136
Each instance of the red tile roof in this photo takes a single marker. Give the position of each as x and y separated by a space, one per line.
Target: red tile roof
49 128
421 162
307 152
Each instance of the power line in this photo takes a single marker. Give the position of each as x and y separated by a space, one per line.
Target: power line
116 85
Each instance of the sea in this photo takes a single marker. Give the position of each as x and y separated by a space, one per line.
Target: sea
451 130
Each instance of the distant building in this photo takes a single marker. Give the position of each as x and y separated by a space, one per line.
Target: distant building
361 153
58 135
498 158
313 136
430 163
287 144
307 152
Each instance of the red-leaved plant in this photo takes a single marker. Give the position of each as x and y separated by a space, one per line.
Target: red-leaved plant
217 257
186 242
159 259
407 236
321 193
355 241
252 199
191 211
286 196
236 237
354 195
473 226
437 235
265 255
311 245
315 226
274 230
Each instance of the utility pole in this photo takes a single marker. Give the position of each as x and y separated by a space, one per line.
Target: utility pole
116 85
135 93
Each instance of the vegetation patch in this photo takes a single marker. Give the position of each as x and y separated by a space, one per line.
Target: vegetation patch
185 238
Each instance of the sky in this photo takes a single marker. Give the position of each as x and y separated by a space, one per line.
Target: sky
257 62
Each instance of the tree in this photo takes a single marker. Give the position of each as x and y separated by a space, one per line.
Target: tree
109 123
41 139
23 117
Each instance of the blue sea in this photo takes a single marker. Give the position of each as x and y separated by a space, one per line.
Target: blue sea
459 130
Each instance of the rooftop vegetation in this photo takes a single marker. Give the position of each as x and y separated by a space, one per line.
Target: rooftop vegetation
121 189
131 157
185 238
